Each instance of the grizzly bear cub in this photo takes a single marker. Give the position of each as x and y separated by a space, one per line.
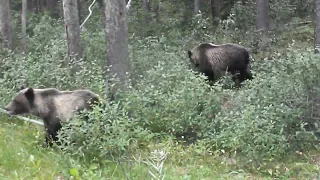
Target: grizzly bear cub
52 106
214 60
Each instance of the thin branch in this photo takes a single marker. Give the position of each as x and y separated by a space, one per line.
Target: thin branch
24 25
303 23
128 5
24 118
90 12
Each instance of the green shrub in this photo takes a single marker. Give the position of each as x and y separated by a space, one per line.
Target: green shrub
269 116
108 132
169 98
274 112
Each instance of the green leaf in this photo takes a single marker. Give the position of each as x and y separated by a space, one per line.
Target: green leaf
74 172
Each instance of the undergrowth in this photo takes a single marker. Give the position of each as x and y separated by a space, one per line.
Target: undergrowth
230 133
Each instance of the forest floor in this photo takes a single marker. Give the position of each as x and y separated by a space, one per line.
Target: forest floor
22 157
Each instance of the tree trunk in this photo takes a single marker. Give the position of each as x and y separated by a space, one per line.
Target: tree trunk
116 33
38 6
262 22
79 11
147 9
5 24
146 28
262 18
215 11
35 5
51 6
317 27
225 9
196 6
156 10
187 12
30 5
42 5
71 20
24 25
102 8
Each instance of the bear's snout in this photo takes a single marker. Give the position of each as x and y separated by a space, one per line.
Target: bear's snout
7 109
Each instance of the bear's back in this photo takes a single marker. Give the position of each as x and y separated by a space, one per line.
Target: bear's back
67 102
62 104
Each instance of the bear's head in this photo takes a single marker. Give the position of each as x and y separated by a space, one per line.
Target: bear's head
194 59
22 103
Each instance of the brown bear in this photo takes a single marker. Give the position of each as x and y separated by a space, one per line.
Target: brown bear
214 60
51 105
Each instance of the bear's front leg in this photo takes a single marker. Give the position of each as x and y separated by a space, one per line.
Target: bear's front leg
51 133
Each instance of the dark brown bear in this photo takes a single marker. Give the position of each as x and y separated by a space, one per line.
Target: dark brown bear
214 60
51 105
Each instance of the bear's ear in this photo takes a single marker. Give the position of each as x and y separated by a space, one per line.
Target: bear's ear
29 94
189 53
23 87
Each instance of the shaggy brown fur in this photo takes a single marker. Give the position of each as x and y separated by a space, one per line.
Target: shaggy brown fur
214 60
51 105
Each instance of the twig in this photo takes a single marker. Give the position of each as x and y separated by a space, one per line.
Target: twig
90 12
303 23
128 5
156 161
23 118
